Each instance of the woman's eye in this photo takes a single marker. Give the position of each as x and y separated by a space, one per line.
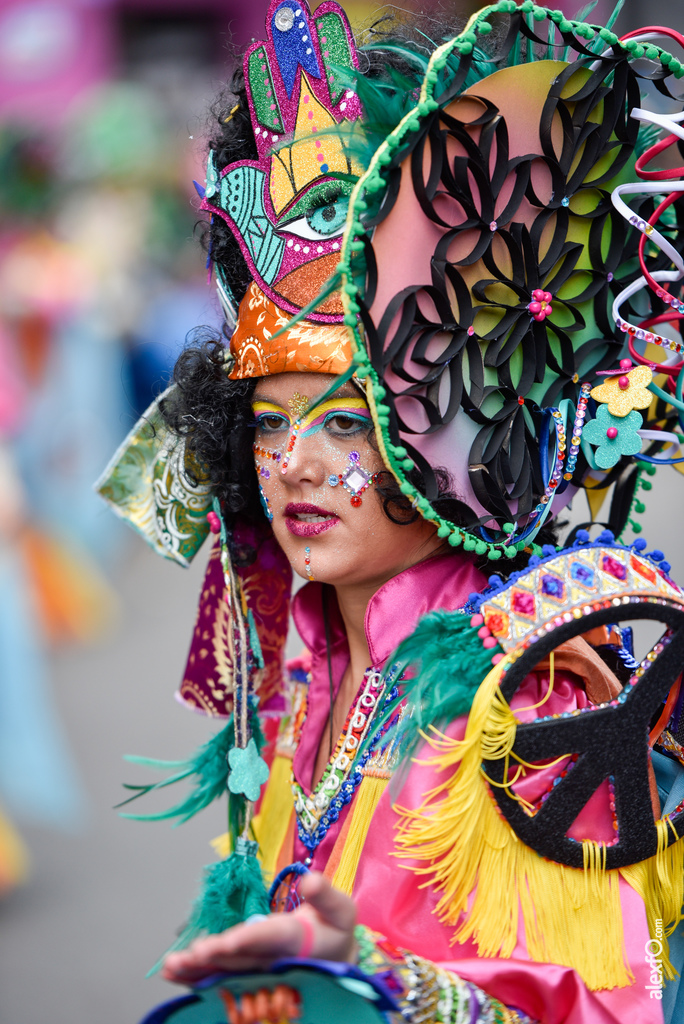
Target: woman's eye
321 221
271 423
342 424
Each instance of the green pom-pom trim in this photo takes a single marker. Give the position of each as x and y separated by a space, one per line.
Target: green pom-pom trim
455 539
494 553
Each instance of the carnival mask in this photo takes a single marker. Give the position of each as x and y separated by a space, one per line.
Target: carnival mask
288 209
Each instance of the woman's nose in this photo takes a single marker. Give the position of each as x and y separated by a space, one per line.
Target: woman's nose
304 462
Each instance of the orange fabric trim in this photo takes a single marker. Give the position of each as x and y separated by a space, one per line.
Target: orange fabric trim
336 855
307 347
577 656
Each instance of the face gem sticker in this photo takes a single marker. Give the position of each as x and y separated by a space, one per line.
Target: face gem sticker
356 478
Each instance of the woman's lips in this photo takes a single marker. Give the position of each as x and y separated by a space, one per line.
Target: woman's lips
305 520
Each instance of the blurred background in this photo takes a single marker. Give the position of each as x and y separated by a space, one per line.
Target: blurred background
103 107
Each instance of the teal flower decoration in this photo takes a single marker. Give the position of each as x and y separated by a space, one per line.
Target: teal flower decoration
248 770
615 436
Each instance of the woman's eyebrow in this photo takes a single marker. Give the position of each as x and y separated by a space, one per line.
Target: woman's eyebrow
265 400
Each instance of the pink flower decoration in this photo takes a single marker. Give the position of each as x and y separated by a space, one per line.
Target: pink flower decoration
540 307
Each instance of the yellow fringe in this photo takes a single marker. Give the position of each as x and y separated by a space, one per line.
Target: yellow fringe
660 883
222 845
571 916
270 825
371 789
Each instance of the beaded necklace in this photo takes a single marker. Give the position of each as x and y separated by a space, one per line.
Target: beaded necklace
344 771
342 776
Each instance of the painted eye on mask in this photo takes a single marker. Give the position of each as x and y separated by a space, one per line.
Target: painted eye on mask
321 221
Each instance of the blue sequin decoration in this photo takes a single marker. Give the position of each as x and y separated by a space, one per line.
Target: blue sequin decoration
294 47
582 574
553 587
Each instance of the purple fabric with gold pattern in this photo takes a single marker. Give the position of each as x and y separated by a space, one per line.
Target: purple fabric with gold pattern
207 684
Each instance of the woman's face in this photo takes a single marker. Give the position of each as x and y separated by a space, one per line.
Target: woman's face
327 515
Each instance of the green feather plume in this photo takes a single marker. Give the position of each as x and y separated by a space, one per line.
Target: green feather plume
207 769
449 662
232 891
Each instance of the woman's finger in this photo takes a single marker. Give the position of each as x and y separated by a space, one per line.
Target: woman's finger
334 907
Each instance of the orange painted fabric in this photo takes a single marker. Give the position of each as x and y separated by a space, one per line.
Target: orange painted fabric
306 347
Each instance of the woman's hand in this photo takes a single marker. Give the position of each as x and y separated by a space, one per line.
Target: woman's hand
323 926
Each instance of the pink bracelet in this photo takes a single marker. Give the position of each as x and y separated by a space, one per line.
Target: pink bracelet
308 937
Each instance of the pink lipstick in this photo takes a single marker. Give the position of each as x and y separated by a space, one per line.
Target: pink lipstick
306 520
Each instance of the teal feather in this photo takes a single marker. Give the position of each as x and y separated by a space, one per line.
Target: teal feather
449 662
207 769
232 891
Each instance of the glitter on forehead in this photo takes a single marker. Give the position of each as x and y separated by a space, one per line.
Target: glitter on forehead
298 404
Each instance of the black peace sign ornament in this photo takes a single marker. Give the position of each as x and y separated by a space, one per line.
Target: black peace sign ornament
554 600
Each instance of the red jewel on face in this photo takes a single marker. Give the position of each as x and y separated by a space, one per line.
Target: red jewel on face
355 500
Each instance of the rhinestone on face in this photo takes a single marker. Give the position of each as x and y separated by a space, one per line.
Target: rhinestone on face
333 480
355 478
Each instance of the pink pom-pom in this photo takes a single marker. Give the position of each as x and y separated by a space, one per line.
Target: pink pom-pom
497 658
476 620
214 522
483 632
489 642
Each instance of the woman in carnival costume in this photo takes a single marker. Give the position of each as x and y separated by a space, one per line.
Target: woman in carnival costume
443 319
